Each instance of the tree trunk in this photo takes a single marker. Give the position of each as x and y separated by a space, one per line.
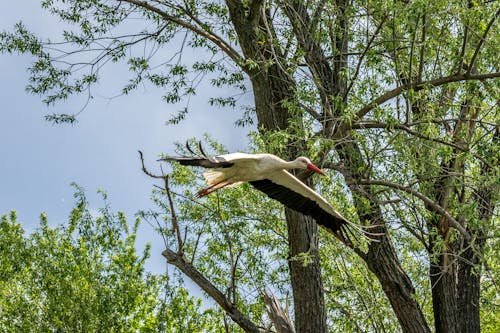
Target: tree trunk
272 86
381 257
307 285
443 282
383 262
468 288
469 269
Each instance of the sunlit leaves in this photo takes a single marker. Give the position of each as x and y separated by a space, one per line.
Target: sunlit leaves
87 276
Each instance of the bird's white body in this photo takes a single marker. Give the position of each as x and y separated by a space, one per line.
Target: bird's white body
253 167
246 168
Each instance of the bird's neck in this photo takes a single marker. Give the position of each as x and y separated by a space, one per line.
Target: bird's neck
290 165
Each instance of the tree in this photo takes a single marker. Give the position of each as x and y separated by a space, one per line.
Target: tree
399 100
85 276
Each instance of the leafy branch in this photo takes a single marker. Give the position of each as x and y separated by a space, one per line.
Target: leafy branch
210 35
419 86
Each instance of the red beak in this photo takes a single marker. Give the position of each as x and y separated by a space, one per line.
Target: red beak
314 168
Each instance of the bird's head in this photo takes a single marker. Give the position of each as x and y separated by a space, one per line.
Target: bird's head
304 163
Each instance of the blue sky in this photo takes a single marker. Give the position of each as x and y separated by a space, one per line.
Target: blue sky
40 160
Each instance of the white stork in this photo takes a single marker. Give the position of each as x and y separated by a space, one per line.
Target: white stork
268 173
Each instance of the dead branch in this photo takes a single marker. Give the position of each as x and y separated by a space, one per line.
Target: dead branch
166 188
178 260
280 319
236 315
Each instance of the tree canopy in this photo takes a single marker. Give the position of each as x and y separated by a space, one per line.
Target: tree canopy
86 276
398 100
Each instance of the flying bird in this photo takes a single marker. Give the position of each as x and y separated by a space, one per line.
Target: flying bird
268 173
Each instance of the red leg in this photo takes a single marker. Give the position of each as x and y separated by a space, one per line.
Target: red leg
212 188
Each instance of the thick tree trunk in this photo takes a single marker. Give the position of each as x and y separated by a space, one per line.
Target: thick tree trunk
272 86
383 262
443 267
269 93
469 269
444 305
468 288
455 281
308 295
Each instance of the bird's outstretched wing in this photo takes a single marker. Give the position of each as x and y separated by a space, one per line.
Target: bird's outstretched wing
291 192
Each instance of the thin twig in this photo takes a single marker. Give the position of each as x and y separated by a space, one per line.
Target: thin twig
363 54
429 202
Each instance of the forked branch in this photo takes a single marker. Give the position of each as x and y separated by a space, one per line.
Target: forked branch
219 297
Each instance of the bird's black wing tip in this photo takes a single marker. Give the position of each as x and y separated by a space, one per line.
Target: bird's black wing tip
351 231
197 161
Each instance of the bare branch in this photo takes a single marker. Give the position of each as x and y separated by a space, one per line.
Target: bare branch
311 111
278 316
464 45
481 41
367 125
188 269
175 224
316 61
429 202
146 171
363 54
422 49
166 188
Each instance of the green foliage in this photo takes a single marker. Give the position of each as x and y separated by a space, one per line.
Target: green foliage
85 276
